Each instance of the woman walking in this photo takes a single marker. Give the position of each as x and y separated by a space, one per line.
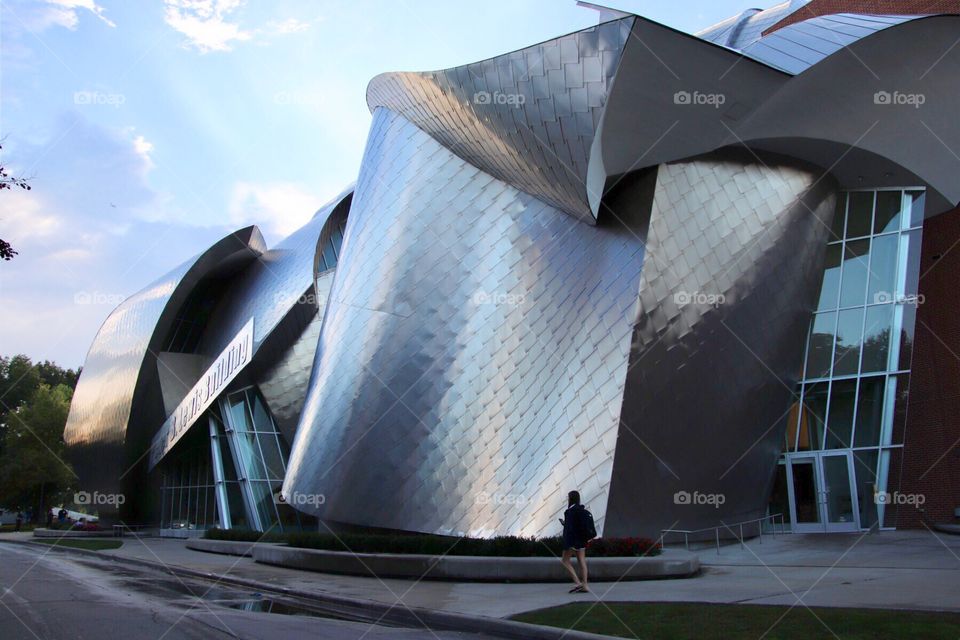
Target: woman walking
578 530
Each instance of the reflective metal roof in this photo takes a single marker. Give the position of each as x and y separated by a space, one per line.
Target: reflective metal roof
743 29
528 117
269 287
797 47
102 400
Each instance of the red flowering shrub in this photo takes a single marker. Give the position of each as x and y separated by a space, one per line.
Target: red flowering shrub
619 547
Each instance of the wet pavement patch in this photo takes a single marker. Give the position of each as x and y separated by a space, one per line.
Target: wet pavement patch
185 593
267 605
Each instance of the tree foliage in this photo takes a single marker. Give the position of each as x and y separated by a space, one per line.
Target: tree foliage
53 375
20 378
34 402
8 182
18 381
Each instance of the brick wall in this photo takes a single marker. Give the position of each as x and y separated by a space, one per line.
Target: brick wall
931 460
895 7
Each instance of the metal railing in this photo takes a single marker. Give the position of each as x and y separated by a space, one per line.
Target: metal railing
687 532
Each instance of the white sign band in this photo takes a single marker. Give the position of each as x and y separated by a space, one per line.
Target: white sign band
214 380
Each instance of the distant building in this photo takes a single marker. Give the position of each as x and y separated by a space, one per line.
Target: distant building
701 278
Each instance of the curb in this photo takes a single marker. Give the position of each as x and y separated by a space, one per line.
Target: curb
223 547
395 613
47 534
671 564
950 528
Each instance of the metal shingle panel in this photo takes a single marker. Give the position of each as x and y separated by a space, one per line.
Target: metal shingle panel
527 126
460 353
269 287
797 47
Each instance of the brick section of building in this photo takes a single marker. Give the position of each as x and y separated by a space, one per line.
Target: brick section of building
931 460
890 7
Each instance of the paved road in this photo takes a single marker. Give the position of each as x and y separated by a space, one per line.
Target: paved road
54 595
890 570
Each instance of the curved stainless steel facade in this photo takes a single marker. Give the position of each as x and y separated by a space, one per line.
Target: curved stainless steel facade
812 115
527 118
119 371
734 258
796 47
284 383
120 374
280 279
472 350
431 411
748 27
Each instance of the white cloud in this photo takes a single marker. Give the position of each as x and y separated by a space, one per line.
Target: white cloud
71 254
279 208
38 16
141 146
143 149
54 16
206 23
24 216
83 228
64 12
212 25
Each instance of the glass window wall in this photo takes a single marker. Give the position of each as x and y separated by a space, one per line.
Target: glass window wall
258 455
853 391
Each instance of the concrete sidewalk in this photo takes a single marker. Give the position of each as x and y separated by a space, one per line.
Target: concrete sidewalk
896 570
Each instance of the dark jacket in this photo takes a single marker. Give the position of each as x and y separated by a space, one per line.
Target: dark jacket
575 526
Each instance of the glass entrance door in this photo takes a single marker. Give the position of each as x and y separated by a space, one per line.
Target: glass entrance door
822 492
840 500
805 494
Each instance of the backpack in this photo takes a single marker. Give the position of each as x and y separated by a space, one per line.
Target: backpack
589 528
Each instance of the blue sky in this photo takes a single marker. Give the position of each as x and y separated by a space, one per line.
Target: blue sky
151 128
